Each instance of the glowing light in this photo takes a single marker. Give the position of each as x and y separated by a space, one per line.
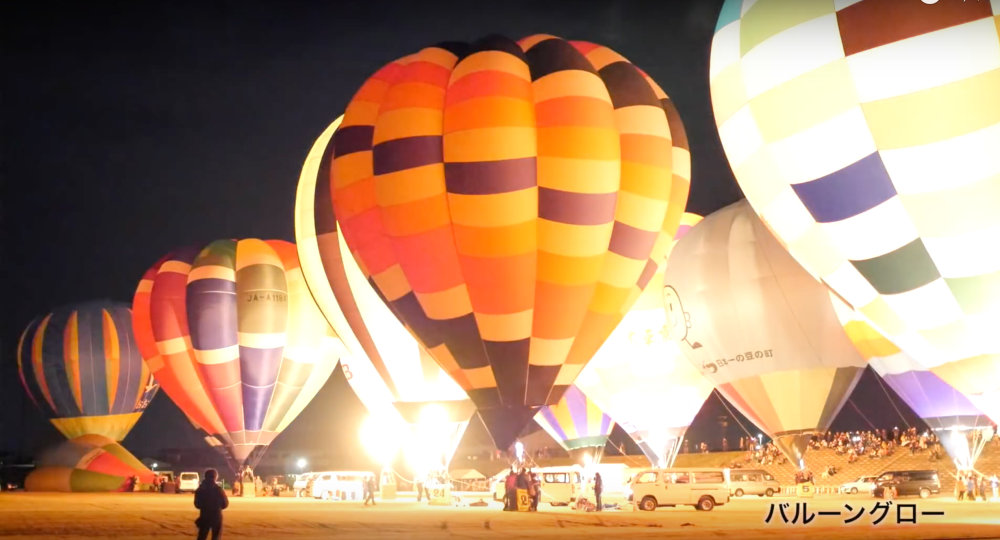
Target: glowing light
433 415
155 465
301 463
519 450
377 441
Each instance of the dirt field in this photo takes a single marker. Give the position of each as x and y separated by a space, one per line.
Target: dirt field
149 516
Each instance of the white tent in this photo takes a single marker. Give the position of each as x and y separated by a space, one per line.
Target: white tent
467 474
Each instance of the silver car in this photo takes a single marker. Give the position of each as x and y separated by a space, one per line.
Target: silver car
752 482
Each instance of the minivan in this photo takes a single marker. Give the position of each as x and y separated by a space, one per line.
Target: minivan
908 483
340 485
560 485
188 482
703 488
752 482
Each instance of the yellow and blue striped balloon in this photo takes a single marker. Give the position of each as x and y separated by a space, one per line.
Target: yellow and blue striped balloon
575 422
80 364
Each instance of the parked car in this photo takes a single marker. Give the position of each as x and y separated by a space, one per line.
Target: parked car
189 481
865 484
703 488
752 482
301 486
340 485
908 483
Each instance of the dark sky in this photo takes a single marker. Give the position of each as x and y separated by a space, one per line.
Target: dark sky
131 129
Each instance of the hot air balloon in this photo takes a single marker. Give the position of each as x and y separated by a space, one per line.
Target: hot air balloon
642 380
81 366
88 463
232 334
409 396
950 414
865 134
759 327
509 201
577 425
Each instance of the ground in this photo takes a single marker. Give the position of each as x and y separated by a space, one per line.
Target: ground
157 516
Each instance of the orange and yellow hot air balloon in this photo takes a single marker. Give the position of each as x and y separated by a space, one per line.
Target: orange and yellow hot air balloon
510 200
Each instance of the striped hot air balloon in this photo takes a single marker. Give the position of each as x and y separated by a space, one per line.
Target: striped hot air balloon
510 201
577 424
81 365
865 134
235 339
409 395
88 463
758 326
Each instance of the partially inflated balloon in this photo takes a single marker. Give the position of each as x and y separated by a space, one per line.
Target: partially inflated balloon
760 327
865 133
642 380
393 375
88 463
944 409
234 337
510 201
577 424
80 364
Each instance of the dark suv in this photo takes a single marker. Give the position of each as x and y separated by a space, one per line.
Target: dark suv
914 483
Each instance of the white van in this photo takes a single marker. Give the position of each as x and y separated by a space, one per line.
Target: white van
703 488
752 482
189 481
301 482
340 485
560 485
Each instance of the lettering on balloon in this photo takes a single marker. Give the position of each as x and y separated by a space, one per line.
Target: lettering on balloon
347 370
713 367
649 337
267 297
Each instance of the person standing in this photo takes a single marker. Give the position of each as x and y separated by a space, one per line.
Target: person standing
971 487
960 487
598 490
510 486
420 486
370 488
536 487
210 500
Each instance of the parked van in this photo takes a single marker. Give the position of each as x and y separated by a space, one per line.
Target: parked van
914 483
703 488
301 482
560 485
752 482
189 482
340 485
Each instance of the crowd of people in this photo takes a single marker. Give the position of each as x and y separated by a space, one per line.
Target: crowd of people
972 485
878 443
758 454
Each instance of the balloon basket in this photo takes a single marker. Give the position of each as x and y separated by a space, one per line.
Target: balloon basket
248 489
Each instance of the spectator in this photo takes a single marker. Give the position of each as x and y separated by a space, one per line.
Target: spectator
210 500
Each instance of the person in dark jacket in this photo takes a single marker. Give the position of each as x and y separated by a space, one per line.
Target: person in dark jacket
211 500
598 490
510 488
371 487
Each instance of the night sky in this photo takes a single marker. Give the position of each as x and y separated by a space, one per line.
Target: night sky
131 129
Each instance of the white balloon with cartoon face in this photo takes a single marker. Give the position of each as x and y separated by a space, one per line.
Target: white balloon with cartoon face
755 323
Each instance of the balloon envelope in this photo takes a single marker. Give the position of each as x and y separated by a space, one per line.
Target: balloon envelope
865 135
509 201
759 327
943 408
88 463
576 423
642 380
80 365
232 334
397 380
